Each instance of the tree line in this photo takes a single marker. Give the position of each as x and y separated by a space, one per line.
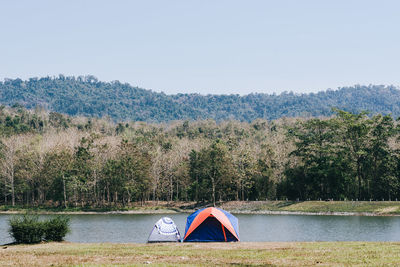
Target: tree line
87 96
51 159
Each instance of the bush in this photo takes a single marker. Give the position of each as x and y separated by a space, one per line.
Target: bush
55 229
28 229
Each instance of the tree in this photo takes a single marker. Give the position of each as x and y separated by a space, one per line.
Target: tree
58 169
264 184
382 180
213 168
83 167
129 173
244 162
10 147
354 130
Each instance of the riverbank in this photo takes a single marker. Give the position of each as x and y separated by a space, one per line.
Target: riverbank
242 253
356 208
366 208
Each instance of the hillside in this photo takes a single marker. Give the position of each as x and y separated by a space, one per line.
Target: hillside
89 97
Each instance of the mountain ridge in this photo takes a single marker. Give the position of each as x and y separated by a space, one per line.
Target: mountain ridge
87 96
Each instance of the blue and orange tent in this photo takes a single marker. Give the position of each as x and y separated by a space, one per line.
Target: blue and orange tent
211 225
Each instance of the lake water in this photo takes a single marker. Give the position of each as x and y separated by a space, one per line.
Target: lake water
133 228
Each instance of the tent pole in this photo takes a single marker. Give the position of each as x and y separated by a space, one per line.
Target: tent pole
223 230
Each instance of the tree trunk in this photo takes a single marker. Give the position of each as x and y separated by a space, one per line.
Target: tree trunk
177 191
359 179
129 197
197 188
33 196
95 189
108 194
171 196
237 190
5 193
12 189
65 192
103 196
213 190
75 198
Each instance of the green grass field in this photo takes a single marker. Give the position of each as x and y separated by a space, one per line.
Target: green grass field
204 254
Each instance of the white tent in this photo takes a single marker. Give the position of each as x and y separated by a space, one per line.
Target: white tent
164 230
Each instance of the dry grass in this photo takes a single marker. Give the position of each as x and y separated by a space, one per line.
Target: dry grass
204 254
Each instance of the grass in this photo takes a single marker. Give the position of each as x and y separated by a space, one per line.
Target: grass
203 254
381 207
373 207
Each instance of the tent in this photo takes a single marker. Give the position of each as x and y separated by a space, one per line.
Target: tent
164 230
211 225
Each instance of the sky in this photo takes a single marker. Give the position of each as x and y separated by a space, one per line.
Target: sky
208 46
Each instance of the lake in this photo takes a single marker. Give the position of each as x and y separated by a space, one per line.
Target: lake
135 228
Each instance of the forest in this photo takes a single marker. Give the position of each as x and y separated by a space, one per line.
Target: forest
51 159
87 96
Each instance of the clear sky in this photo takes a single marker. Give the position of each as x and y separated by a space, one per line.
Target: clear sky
207 46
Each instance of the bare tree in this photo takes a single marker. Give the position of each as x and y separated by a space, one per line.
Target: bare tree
10 148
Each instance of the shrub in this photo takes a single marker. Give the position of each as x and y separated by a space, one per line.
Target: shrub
55 229
26 229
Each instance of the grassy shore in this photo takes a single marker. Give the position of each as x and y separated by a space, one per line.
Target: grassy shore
317 207
210 254
382 208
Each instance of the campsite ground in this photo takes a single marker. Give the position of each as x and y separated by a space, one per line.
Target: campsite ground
245 207
243 253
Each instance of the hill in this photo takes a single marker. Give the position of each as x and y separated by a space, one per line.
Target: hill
88 96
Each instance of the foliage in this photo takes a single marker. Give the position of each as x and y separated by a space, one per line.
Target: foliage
347 156
87 96
56 228
211 171
26 229
97 163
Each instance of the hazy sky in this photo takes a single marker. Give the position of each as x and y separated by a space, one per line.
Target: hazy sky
203 46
